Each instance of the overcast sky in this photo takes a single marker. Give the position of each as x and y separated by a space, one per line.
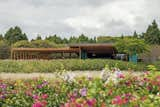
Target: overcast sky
73 17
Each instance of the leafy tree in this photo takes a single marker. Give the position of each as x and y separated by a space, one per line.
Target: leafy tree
22 44
1 37
42 44
55 39
107 39
73 40
92 40
4 50
39 37
152 35
15 34
83 39
65 41
135 35
122 36
131 46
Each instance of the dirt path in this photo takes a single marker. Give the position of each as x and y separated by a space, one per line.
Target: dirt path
45 75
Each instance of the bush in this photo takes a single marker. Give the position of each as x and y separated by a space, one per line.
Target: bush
22 44
4 50
36 44
68 64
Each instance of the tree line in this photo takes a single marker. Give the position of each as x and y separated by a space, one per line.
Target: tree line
15 34
14 37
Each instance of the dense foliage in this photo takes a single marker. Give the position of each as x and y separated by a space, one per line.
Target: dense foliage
131 46
122 90
152 35
4 50
36 44
80 39
67 64
14 35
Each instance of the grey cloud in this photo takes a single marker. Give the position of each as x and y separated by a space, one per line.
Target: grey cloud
78 3
73 17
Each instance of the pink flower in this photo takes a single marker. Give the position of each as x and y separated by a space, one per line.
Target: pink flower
35 97
40 103
37 104
91 102
119 101
147 73
83 92
67 105
120 75
44 96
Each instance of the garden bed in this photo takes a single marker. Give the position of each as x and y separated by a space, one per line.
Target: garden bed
126 90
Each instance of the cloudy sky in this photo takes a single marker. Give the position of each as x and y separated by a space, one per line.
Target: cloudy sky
73 17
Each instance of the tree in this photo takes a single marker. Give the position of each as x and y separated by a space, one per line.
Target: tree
83 39
108 39
122 36
15 34
42 44
152 35
1 37
56 39
73 40
135 35
4 50
92 40
22 44
39 37
65 41
131 46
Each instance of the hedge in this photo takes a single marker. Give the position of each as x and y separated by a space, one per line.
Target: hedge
49 66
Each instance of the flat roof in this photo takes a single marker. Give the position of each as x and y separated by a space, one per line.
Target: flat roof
89 47
67 49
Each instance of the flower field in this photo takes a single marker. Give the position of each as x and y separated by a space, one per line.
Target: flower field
112 89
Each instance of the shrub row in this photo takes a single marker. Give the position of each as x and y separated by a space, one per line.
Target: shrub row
27 66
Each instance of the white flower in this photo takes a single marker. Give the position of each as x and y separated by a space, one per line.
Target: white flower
69 77
105 75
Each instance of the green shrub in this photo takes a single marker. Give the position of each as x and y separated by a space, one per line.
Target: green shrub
4 50
27 66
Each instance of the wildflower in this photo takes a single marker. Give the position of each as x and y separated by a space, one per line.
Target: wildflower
44 96
105 75
2 96
67 105
3 86
35 97
69 77
91 102
119 101
44 83
147 73
83 92
120 75
28 93
89 77
37 104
